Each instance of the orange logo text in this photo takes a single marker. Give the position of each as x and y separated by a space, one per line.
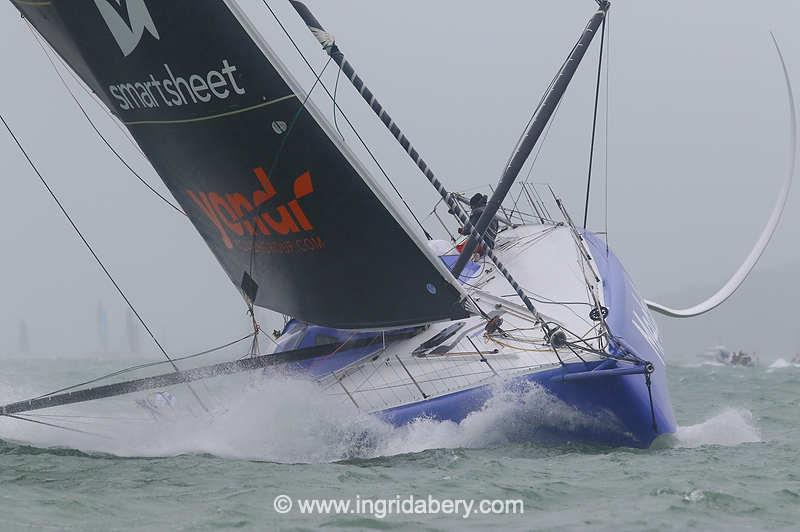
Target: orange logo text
239 215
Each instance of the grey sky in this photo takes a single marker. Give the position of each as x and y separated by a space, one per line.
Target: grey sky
697 150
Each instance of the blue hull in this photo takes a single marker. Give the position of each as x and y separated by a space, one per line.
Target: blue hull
613 410
603 405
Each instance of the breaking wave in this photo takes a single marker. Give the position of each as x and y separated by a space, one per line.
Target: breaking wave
729 428
782 363
289 420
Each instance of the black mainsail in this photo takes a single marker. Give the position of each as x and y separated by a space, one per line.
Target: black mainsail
292 217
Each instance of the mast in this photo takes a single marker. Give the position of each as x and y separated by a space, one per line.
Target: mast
541 117
332 49
329 45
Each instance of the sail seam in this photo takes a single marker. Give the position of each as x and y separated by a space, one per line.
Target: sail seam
212 117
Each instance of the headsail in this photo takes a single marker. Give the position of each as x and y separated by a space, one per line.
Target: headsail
291 215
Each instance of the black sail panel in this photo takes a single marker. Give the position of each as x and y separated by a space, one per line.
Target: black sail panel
285 211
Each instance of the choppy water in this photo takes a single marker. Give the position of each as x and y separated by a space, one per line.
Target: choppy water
733 465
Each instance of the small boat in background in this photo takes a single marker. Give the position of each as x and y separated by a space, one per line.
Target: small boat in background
304 220
721 355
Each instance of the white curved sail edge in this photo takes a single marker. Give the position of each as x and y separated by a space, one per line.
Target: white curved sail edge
744 270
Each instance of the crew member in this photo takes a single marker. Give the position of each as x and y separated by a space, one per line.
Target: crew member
477 205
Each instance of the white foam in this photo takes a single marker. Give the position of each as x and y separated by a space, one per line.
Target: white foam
729 428
285 419
508 416
782 363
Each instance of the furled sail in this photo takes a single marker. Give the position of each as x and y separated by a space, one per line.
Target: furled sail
289 212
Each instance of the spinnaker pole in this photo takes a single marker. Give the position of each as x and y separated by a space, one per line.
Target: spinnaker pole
330 47
540 119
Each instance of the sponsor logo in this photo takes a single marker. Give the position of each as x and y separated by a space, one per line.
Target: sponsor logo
239 215
128 33
172 90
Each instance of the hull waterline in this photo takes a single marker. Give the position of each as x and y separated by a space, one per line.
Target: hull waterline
601 398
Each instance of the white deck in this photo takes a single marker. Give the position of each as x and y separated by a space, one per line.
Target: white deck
547 263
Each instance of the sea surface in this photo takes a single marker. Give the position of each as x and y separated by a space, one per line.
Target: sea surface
734 464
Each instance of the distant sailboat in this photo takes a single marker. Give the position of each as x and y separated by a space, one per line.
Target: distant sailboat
102 327
384 318
132 334
24 342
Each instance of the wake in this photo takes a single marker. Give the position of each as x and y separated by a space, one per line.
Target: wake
287 420
290 420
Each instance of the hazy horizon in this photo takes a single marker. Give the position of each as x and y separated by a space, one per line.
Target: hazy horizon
697 150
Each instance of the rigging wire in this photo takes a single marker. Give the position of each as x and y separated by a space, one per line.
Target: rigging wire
97 130
533 117
96 257
335 93
284 142
92 95
296 117
53 425
543 141
267 336
80 418
546 132
349 123
541 102
116 120
608 105
144 366
594 123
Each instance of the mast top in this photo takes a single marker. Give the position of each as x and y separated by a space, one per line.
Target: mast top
536 127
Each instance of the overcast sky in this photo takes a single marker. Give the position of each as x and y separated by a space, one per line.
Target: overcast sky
697 150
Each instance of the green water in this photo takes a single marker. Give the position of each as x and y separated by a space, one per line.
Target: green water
732 466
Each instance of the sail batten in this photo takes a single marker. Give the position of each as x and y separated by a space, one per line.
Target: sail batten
278 197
